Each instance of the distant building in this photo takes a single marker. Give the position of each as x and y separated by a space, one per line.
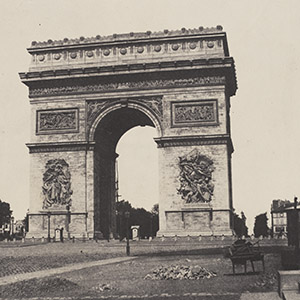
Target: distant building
12 227
279 217
5 228
19 224
293 225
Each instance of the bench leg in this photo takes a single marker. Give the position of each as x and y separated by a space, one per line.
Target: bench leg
233 268
245 267
252 264
263 264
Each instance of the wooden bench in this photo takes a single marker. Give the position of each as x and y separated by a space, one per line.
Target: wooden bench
242 251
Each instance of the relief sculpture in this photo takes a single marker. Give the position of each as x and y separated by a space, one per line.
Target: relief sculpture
155 103
93 109
194 113
89 88
57 184
52 121
62 120
196 178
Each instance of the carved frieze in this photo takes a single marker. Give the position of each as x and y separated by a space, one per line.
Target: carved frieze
57 121
194 113
147 84
196 178
56 184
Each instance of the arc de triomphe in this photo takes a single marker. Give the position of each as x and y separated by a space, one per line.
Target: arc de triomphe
86 93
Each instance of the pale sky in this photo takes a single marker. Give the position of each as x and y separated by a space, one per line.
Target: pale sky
263 38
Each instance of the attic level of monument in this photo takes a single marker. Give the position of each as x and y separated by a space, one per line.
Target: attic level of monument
130 61
87 92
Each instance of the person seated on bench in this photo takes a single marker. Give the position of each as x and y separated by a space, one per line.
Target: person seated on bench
241 251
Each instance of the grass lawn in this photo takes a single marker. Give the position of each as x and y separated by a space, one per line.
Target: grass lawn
114 281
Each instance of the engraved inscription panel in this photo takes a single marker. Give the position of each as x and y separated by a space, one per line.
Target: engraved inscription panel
57 121
194 113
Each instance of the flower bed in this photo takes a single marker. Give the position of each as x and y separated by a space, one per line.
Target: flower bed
179 273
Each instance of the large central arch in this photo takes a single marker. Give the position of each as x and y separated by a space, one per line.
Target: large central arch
107 129
86 93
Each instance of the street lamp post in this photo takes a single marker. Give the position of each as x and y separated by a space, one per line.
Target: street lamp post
127 215
151 226
119 220
297 230
49 214
68 221
12 225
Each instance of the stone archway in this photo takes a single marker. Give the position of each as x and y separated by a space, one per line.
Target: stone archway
112 120
85 93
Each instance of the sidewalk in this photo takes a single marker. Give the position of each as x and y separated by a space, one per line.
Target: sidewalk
55 271
260 296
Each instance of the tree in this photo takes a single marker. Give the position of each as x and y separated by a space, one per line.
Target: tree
5 213
239 225
155 209
25 222
138 216
261 225
122 207
155 219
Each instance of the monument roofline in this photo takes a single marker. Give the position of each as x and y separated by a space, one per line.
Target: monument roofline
126 37
132 48
131 56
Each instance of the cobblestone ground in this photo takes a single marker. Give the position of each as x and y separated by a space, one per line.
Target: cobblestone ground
18 258
24 258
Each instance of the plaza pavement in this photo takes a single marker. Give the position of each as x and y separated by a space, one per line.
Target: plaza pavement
260 296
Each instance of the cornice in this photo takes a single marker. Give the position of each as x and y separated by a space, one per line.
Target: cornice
172 74
56 213
123 69
162 142
60 146
175 141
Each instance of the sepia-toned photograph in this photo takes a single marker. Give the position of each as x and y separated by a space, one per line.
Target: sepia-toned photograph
149 150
